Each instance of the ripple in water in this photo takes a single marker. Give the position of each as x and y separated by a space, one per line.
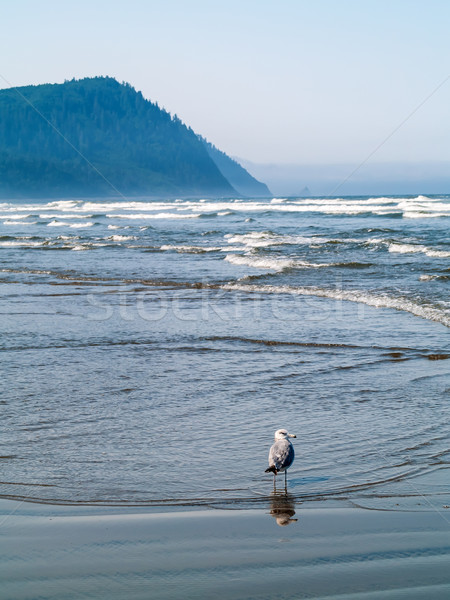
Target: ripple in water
154 367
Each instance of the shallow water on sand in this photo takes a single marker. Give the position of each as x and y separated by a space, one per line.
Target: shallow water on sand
149 350
341 554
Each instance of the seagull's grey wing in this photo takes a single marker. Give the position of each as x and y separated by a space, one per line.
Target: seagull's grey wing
281 455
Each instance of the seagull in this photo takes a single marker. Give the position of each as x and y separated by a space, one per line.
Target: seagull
281 454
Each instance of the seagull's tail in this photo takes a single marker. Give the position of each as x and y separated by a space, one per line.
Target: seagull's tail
271 469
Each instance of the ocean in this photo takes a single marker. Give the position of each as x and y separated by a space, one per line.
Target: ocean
150 349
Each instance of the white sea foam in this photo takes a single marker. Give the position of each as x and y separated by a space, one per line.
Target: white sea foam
64 216
324 206
432 313
81 225
190 249
121 238
412 249
428 277
15 216
421 202
29 208
409 214
103 207
19 222
262 239
163 215
253 235
273 264
418 207
57 224
376 241
254 239
20 243
405 248
260 263
64 204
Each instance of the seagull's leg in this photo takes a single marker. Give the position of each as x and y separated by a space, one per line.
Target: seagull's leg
274 482
285 481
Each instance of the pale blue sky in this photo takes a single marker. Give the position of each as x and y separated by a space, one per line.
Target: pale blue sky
294 81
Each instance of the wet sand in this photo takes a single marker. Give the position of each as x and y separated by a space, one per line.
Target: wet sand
282 552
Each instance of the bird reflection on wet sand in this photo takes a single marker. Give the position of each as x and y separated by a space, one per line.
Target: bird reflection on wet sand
282 508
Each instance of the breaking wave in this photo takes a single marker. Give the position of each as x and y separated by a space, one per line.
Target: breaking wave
412 249
417 308
275 264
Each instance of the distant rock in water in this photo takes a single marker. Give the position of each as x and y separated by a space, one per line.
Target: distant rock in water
305 193
97 137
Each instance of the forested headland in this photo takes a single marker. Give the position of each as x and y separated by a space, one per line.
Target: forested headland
99 137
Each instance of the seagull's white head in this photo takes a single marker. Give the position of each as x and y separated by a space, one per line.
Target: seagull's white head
282 434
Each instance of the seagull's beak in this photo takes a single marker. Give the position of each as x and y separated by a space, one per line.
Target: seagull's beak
292 435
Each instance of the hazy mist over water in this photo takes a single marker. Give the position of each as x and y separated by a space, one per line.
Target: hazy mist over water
353 178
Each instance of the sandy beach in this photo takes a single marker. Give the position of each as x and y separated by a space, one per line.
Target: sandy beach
66 552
